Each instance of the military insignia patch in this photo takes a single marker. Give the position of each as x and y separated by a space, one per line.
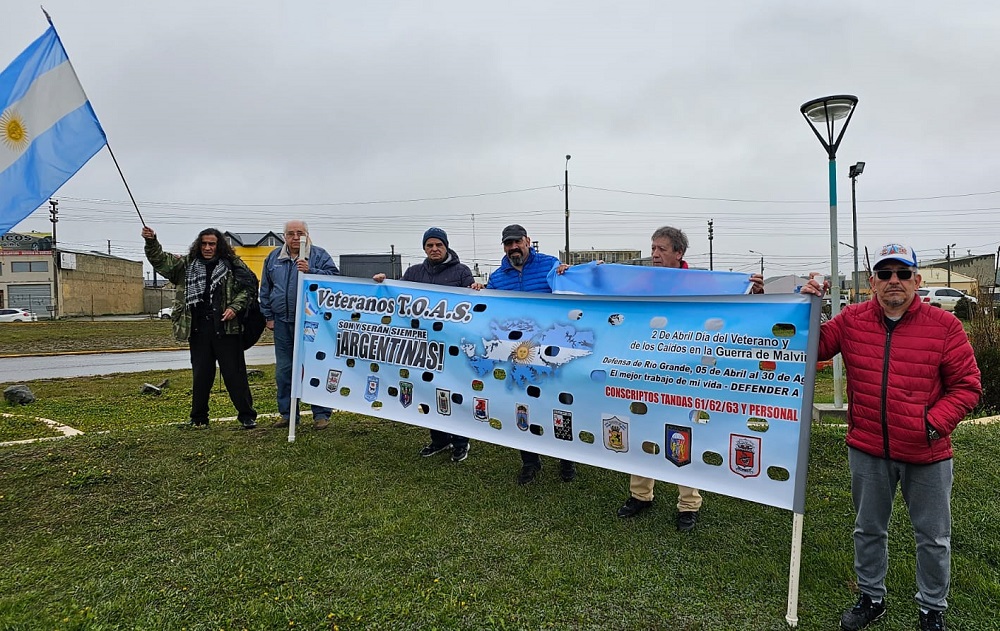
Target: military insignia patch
521 416
678 441
405 393
481 409
562 424
615 432
744 455
309 330
372 392
332 380
444 401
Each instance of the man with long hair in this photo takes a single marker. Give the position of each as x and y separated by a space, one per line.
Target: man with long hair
213 287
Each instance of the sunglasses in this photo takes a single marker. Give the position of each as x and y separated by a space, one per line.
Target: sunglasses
901 274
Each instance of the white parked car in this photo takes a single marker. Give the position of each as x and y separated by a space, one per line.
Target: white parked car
944 297
165 313
17 315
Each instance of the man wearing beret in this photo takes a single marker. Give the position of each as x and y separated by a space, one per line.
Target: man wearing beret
441 267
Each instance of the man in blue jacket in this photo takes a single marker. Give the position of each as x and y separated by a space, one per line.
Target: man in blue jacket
278 292
524 269
441 267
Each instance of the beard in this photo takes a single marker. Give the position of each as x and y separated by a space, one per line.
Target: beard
893 299
516 257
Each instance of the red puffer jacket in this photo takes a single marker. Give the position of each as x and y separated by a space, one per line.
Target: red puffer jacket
904 382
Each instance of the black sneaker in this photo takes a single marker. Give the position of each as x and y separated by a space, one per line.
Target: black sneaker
932 621
249 425
686 520
431 449
863 613
633 507
528 473
459 453
567 472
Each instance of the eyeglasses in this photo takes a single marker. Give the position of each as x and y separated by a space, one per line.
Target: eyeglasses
901 274
209 244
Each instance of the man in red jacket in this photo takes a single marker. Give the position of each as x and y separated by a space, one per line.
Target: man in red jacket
911 377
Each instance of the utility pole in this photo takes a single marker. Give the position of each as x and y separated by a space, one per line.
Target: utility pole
856 170
761 261
392 261
948 259
54 218
109 247
710 237
566 190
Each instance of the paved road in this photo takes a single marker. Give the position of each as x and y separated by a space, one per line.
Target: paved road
17 369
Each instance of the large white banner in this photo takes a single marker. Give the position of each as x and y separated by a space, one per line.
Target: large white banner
710 392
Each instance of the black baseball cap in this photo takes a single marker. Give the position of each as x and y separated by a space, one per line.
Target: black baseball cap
513 232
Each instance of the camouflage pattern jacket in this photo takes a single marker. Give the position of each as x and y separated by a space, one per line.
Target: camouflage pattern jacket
230 295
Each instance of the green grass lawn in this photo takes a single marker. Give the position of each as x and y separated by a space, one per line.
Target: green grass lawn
149 526
34 338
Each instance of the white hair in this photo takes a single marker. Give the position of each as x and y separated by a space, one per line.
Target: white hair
305 226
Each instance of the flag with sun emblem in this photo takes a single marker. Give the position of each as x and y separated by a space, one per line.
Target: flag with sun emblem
48 129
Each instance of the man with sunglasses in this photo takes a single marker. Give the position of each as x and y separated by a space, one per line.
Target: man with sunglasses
911 377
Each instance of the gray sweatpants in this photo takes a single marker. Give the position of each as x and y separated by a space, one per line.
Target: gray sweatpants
927 492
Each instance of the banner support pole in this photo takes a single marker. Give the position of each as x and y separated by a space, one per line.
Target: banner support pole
792 614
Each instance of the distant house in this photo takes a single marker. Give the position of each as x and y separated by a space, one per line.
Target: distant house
938 277
981 267
367 265
68 282
253 247
576 257
788 284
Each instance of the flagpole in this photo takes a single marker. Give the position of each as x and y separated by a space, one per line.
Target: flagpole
106 141
127 189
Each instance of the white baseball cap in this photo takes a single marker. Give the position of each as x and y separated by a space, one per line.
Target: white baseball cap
896 252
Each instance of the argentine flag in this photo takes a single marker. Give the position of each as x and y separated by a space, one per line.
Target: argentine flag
48 130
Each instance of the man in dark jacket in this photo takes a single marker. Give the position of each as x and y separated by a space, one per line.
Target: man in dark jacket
441 267
524 269
278 293
911 377
213 286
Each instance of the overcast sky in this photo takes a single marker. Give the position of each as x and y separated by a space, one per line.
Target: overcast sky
241 115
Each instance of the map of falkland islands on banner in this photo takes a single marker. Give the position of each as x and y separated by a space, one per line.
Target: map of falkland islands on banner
709 392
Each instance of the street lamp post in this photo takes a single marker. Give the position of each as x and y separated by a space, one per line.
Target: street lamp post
566 189
948 259
827 111
853 286
761 261
856 170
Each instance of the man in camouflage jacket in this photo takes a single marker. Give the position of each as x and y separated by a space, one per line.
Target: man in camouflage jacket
213 286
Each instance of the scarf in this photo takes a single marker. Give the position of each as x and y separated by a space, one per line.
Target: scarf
195 278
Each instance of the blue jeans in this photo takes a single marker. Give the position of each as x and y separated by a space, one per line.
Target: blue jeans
284 344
